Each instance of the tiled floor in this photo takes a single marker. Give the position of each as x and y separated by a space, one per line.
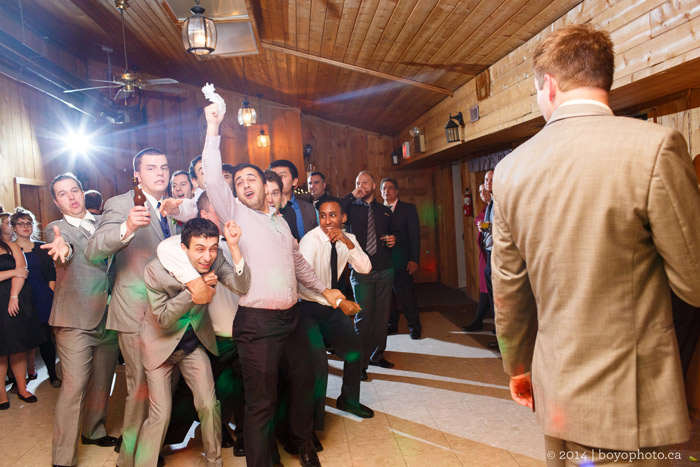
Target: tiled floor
446 403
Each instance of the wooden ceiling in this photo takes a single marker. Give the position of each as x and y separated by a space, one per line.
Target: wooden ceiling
444 43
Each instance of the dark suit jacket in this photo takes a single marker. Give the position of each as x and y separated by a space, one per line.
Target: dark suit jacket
308 215
405 222
357 225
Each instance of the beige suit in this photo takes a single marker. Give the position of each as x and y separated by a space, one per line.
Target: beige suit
129 304
595 218
88 351
172 313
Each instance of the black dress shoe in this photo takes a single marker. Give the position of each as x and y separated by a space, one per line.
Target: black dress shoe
30 400
415 334
104 442
239 448
56 465
226 439
363 376
118 445
308 456
392 330
317 443
288 446
5 405
474 327
360 410
384 363
494 345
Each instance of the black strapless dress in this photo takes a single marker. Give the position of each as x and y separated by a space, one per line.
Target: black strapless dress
22 332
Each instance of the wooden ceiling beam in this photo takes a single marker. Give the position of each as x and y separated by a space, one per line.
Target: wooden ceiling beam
359 69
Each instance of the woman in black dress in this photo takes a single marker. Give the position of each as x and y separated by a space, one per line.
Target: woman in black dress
18 320
42 280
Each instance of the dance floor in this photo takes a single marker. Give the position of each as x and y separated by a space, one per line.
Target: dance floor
446 403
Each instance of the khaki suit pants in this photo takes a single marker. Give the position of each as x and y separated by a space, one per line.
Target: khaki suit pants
195 368
562 453
136 405
88 360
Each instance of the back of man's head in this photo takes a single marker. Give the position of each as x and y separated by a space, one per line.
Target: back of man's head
93 200
577 56
203 203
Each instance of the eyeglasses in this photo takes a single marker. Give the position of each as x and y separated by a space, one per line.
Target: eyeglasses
24 224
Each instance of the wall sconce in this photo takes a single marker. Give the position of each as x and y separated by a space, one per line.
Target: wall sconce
452 128
199 32
396 156
418 139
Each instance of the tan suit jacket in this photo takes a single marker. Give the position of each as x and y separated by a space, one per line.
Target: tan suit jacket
172 310
595 218
82 286
129 299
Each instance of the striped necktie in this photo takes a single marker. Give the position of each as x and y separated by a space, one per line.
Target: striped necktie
371 233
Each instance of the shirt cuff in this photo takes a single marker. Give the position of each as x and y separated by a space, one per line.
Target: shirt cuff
239 267
122 232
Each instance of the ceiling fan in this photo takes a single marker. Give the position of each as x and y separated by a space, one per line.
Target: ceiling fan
132 81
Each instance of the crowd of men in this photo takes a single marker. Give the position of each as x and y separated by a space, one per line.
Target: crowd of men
579 265
224 276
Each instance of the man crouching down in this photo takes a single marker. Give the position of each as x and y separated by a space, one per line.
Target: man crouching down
175 332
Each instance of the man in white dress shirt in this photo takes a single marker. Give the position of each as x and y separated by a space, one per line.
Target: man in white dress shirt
328 249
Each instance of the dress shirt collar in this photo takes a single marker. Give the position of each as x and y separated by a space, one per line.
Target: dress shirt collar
391 206
75 221
153 201
585 102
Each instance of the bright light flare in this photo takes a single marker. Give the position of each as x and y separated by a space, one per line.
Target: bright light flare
77 142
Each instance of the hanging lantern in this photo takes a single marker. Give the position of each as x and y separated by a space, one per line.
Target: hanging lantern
199 32
247 115
263 140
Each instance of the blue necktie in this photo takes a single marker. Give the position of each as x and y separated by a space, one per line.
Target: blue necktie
164 224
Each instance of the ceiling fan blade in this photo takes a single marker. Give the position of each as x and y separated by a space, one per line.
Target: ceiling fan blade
155 81
165 90
103 81
89 89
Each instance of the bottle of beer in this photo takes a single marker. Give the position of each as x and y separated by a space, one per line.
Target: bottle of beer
139 197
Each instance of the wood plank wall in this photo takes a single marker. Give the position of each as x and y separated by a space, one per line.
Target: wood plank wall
650 37
340 152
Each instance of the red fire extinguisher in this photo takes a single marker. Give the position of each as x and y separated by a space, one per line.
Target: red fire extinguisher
468 204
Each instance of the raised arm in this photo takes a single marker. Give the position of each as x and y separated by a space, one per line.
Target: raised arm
219 193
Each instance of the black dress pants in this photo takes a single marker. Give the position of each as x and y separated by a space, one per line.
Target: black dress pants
406 297
323 322
265 338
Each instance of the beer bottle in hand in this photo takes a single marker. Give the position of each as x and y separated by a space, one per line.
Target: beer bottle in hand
139 197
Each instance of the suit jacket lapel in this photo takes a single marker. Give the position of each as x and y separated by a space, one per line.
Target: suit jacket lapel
155 222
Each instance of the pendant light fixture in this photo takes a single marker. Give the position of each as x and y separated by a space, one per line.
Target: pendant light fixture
199 32
263 141
246 114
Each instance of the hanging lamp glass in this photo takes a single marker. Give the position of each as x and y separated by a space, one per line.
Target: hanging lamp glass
246 114
199 32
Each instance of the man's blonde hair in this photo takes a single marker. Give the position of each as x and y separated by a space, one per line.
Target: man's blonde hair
577 56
